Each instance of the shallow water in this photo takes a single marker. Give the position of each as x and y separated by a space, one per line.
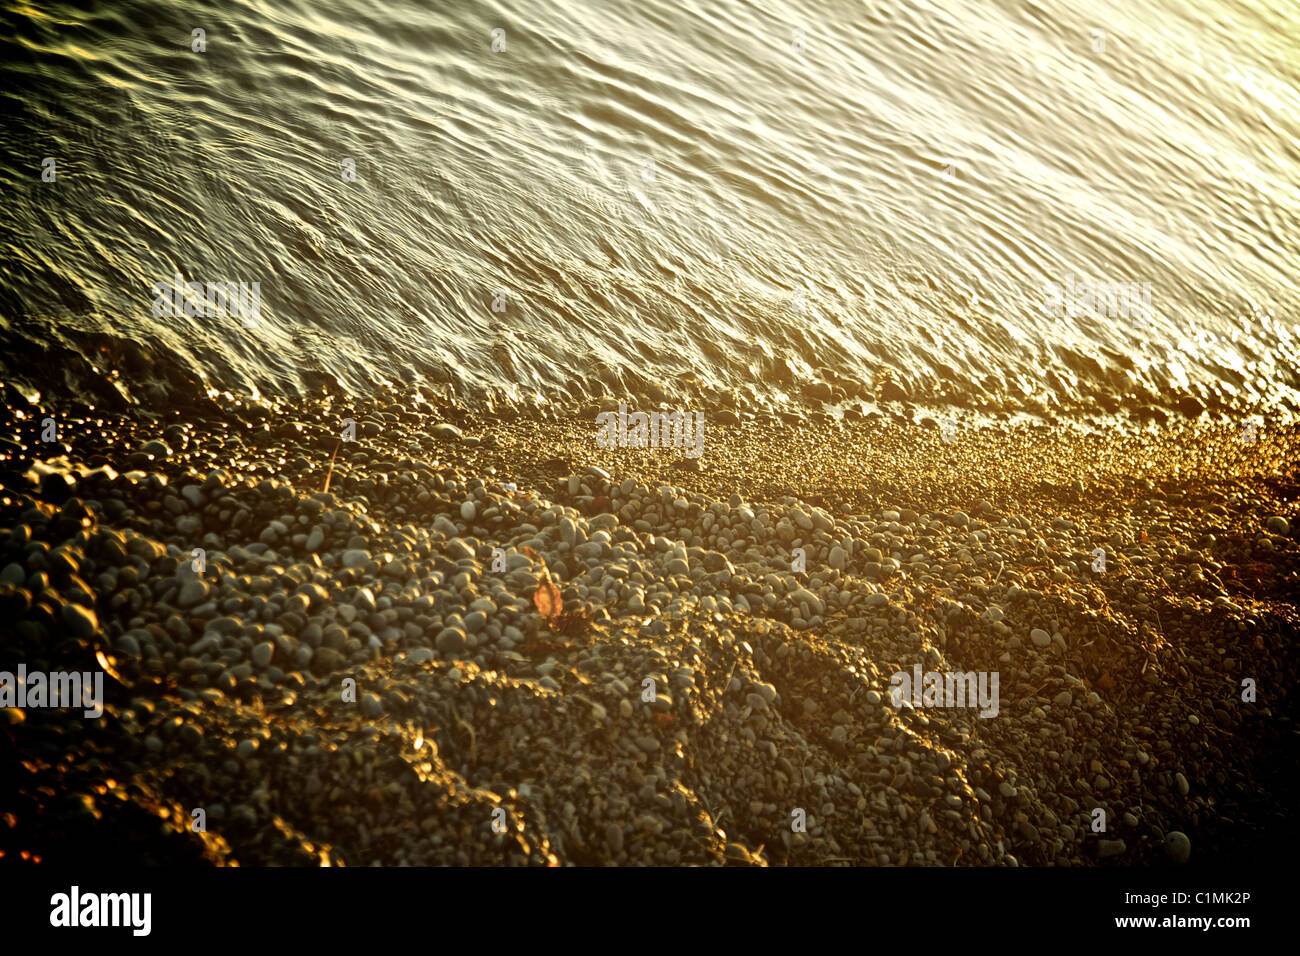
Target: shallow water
671 194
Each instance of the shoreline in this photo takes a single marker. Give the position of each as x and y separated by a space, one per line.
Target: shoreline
772 685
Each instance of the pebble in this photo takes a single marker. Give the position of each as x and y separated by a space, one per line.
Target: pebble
192 592
80 620
315 594
280 617
614 837
326 660
1108 848
451 640
1178 846
458 550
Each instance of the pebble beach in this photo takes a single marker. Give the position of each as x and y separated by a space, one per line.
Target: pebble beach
367 668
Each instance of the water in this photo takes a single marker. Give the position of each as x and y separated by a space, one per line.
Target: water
688 196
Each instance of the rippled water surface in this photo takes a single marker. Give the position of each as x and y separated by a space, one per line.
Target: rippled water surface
770 196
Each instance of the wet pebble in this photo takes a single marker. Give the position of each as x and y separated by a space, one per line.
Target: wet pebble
1178 846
